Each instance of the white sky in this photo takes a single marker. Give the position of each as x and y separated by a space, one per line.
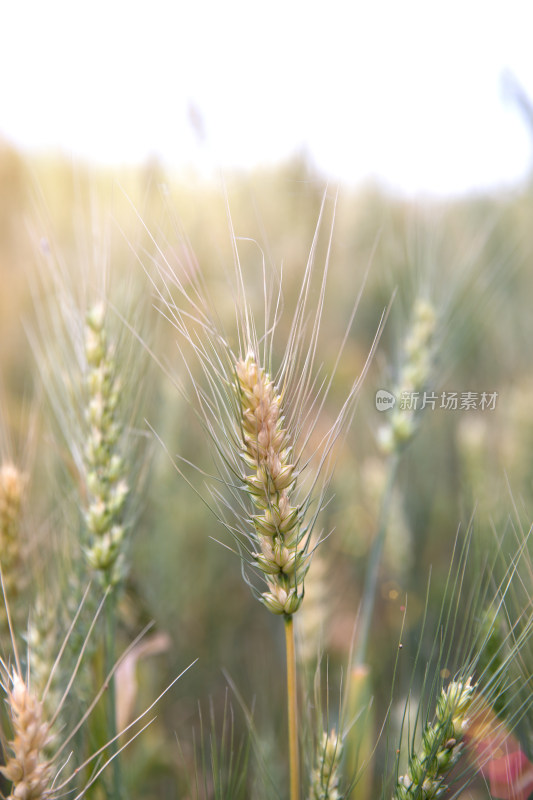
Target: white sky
409 91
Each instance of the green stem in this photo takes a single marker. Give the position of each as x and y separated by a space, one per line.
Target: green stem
292 708
371 578
109 648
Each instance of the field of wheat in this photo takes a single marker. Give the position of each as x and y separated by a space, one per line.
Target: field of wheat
266 487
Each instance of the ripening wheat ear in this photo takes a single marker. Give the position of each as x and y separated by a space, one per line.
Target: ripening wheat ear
488 673
259 402
266 450
95 381
27 768
442 744
105 471
38 748
86 388
12 485
92 377
416 369
325 775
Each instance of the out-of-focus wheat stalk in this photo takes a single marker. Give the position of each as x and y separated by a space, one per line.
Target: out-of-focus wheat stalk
488 671
394 436
415 372
105 469
325 775
89 369
12 485
38 749
310 624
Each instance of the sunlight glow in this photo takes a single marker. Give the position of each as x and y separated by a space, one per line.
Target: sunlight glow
410 93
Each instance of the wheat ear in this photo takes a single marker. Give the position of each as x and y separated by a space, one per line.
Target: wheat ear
26 767
442 745
12 484
325 777
106 483
266 449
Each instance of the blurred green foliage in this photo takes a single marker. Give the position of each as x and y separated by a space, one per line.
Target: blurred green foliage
472 257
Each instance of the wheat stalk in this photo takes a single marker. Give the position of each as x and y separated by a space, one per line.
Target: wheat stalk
271 484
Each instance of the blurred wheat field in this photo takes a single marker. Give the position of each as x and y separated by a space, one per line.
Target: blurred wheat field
466 468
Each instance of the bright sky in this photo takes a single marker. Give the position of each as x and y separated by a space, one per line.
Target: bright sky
408 91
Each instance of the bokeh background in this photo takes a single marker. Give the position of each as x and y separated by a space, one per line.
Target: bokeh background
419 96
141 127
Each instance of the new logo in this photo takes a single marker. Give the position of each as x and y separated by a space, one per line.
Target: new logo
384 400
